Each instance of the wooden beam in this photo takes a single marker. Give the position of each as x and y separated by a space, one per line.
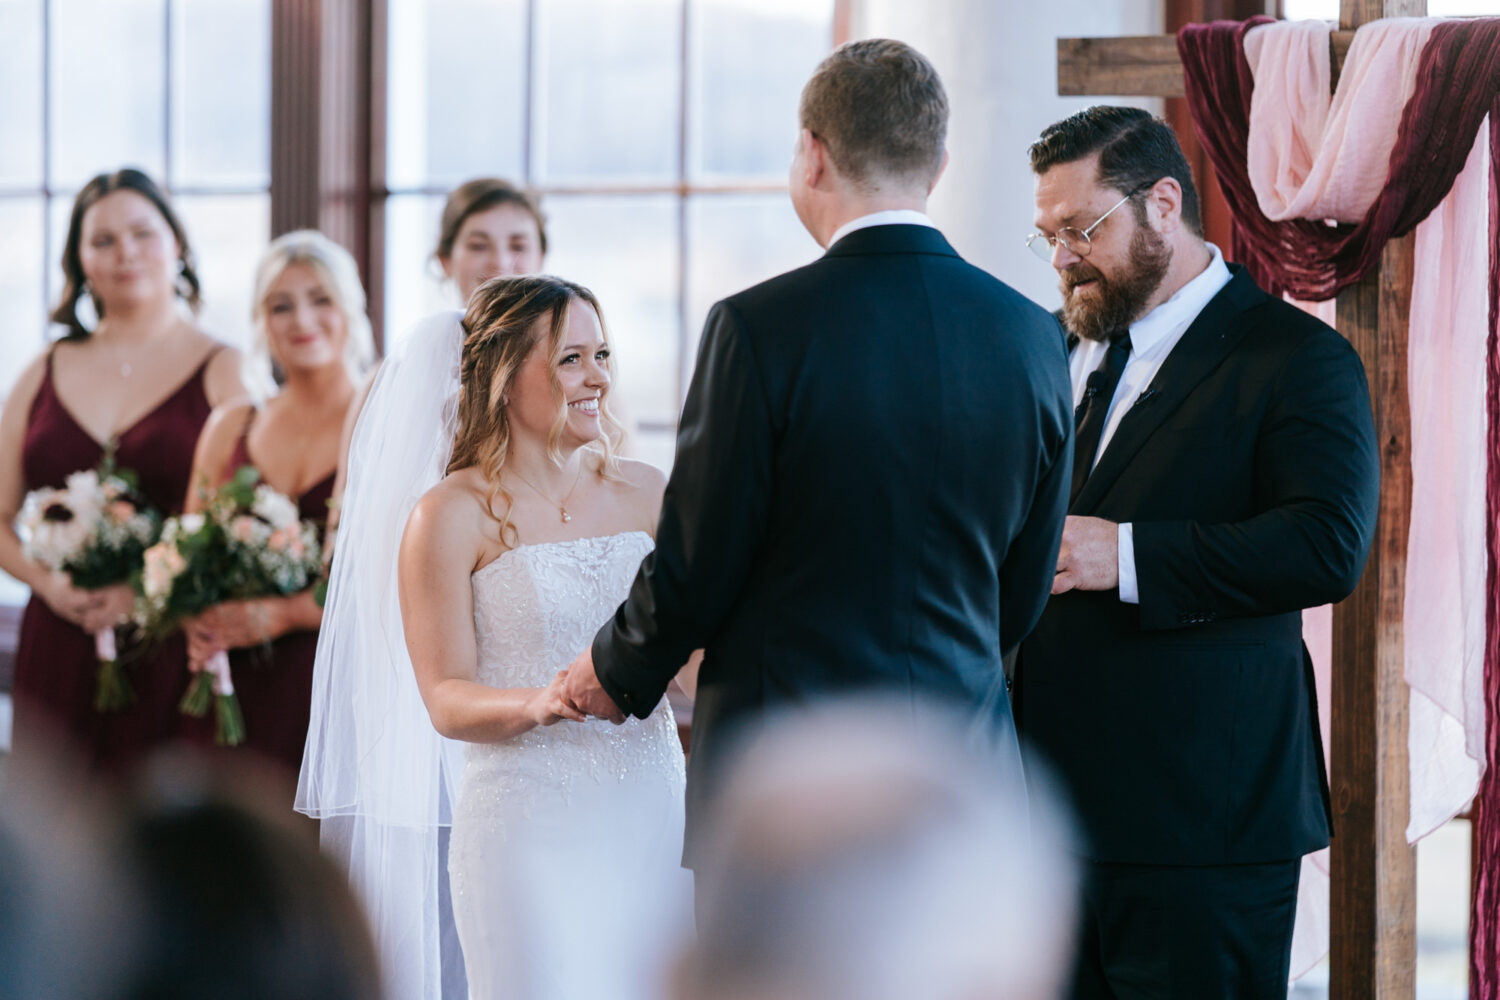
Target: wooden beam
1137 65
1373 936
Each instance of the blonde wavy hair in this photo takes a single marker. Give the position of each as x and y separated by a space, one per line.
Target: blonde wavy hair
339 274
507 318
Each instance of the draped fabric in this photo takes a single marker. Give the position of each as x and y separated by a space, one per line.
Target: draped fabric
1317 186
1484 961
1457 82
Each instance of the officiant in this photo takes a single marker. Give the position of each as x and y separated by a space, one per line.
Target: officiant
1225 478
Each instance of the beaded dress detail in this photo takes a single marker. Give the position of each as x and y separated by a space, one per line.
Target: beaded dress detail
567 839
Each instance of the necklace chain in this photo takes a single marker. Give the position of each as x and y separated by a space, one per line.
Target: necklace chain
562 508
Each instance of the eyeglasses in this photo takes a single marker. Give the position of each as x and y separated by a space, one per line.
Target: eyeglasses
1076 241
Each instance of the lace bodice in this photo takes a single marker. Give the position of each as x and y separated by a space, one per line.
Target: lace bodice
535 609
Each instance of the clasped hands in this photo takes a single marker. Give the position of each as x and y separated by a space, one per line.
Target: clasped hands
575 694
1089 558
232 625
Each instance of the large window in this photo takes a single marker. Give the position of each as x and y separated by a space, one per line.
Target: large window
180 88
657 131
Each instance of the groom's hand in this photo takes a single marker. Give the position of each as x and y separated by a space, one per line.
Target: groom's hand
585 693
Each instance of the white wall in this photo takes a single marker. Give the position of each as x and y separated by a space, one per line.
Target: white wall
998 61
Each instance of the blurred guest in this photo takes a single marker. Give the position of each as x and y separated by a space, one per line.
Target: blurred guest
169 889
65 928
311 331
134 378
235 905
853 854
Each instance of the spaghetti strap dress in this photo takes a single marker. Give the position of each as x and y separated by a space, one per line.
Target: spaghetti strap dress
55 661
273 682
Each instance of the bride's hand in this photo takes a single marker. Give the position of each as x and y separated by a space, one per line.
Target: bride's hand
549 706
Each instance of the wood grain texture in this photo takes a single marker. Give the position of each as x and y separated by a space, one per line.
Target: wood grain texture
1373 932
1138 65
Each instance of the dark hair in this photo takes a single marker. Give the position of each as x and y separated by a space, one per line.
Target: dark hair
74 282
235 905
1136 149
880 108
481 195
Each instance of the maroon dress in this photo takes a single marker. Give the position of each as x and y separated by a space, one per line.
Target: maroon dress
55 663
273 683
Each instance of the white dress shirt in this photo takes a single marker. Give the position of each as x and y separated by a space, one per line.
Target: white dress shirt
1152 338
889 217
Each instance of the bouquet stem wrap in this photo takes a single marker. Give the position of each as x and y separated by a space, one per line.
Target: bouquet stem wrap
112 692
214 686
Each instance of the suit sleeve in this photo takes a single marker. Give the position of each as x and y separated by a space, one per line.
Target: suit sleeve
1317 473
1031 561
712 520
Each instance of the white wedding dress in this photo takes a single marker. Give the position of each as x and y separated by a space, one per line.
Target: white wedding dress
567 840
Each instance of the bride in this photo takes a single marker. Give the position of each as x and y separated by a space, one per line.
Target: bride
567 839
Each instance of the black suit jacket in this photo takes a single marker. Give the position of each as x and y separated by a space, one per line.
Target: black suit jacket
871 475
1186 726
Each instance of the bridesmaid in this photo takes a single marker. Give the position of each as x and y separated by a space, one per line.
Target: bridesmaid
489 228
141 382
311 331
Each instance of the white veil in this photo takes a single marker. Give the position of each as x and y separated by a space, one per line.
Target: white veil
375 772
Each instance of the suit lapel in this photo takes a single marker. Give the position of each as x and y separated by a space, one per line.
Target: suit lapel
1208 341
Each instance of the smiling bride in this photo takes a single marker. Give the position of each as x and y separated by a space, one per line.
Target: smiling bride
567 839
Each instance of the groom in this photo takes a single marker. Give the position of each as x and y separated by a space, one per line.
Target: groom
873 459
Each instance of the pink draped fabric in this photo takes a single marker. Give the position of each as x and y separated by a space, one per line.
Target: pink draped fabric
1458 79
1290 159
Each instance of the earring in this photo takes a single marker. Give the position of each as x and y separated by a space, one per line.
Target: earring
85 311
181 285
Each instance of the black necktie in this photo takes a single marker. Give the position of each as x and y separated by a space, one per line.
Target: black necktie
1088 419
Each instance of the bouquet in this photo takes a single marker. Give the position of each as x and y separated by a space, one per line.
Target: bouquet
96 530
248 542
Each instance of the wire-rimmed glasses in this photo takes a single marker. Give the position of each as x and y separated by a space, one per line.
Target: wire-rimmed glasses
1075 240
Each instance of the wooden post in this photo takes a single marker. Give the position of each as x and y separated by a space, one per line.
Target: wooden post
1373 930
1373 933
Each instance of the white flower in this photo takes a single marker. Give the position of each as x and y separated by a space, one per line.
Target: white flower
190 524
276 509
51 528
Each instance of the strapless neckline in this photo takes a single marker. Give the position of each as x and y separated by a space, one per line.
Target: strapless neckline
558 543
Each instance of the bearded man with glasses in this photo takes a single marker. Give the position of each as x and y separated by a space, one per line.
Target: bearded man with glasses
1225 478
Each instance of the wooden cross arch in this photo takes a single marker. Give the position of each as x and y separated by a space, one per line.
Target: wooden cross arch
1373 928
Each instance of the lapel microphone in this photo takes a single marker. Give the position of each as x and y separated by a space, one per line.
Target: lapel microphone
1149 392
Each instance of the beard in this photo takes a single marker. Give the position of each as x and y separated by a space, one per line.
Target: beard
1119 301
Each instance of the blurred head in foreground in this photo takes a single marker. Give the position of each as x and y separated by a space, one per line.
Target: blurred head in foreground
866 850
236 901
185 891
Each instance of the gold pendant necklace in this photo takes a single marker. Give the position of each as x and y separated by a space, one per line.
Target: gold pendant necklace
562 507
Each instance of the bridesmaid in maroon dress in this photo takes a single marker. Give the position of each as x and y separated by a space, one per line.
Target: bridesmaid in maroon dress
311 329
143 381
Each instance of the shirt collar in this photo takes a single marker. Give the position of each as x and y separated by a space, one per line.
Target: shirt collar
1178 312
889 217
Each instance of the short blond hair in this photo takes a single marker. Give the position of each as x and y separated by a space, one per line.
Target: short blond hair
880 108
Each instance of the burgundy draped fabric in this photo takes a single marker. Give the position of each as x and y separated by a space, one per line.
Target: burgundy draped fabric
1458 83
1484 922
